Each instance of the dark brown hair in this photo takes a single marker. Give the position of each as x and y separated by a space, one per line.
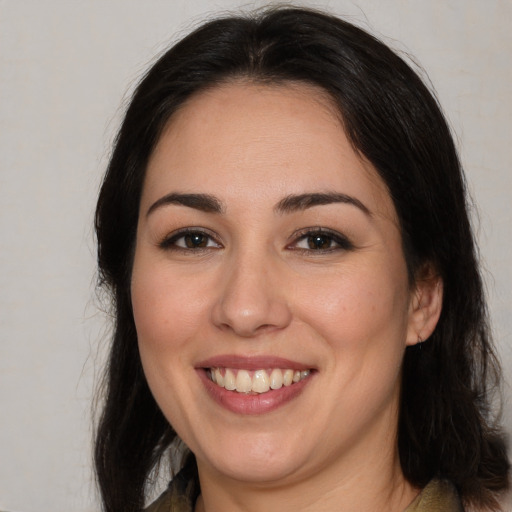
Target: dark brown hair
446 425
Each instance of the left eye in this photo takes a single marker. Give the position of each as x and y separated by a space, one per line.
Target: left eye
321 241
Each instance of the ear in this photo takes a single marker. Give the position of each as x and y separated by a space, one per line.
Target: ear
425 305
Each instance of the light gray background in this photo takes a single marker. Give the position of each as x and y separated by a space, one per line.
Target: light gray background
64 68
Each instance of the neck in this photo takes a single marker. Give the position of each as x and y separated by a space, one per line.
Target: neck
375 485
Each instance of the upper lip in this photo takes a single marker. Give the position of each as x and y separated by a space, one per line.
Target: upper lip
251 362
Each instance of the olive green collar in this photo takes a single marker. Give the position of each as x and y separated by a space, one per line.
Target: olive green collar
437 496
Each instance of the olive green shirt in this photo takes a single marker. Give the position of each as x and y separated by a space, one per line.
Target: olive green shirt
437 496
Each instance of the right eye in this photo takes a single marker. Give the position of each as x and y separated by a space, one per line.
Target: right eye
190 239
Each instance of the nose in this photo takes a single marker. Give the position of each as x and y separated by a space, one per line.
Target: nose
252 297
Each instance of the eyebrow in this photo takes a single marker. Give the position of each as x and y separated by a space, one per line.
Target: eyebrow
203 202
300 202
292 203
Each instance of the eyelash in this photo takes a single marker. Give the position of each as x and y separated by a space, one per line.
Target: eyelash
341 241
170 241
331 237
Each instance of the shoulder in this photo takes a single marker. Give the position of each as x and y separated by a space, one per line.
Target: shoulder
171 501
437 496
180 496
162 504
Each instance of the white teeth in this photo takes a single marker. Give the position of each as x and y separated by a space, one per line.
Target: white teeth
258 381
229 380
288 377
243 381
276 379
219 378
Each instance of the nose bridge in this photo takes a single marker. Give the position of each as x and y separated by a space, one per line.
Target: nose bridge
252 298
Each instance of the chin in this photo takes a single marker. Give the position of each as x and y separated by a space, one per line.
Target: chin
260 461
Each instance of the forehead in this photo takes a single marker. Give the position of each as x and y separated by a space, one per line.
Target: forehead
259 140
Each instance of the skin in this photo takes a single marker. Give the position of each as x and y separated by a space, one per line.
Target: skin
257 288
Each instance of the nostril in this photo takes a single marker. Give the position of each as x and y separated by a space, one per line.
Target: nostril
252 316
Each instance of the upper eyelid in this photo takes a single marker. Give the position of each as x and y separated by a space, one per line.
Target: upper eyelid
300 233
343 241
178 233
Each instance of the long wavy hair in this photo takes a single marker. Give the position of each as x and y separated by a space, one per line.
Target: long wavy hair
446 424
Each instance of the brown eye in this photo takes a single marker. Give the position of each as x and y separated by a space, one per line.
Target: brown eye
195 240
319 242
190 240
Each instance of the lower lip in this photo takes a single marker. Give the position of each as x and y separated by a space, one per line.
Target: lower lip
249 404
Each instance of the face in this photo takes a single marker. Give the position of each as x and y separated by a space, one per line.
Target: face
269 287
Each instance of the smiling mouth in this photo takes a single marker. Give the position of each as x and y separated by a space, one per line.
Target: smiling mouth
255 381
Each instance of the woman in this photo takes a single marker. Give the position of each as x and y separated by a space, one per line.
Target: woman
283 228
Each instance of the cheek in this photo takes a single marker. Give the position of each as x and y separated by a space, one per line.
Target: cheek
356 304
362 320
166 315
361 317
166 309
